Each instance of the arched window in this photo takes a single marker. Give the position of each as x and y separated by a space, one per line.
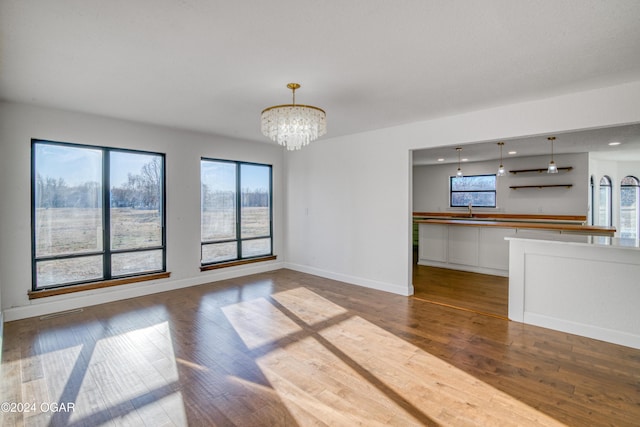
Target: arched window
592 197
629 204
604 206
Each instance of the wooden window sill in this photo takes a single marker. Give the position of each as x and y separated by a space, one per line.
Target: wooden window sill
96 285
237 262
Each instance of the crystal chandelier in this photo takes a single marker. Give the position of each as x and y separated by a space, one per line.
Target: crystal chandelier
293 125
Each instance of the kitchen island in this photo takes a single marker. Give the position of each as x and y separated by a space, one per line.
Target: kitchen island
584 285
476 242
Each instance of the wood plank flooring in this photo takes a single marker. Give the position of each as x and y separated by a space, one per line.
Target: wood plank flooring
291 349
481 293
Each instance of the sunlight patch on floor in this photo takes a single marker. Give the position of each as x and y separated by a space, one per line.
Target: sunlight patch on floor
341 374
258 322
129 367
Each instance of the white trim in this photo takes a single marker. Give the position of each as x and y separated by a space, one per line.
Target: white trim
58 303
353 280
590 331
463 267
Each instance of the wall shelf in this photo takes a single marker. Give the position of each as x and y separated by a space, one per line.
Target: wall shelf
566 168
515 187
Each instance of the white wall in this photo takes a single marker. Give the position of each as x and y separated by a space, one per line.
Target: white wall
346 213
19 123
431 186
357 189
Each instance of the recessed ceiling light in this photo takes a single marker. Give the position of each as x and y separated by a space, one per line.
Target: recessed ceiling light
512 152
615 143
441 160
465 160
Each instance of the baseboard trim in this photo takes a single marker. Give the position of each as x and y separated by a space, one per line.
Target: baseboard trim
353 280
590 331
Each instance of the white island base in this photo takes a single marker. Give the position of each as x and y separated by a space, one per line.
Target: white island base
584 285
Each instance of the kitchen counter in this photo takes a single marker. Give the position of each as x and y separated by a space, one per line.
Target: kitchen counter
557 223
584 285
478 244
562 227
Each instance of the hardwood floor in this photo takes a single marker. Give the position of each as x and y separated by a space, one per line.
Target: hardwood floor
287 349
481 293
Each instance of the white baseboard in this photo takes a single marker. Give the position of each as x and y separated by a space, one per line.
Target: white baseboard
55 304
404 290
469 268
582 329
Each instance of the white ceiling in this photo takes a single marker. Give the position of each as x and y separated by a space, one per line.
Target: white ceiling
595 141
213 65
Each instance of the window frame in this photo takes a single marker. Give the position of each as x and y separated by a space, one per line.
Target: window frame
239 259
108 279
609 200
636 186
494 191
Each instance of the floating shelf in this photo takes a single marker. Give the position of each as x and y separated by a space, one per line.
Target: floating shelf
566 168
515 187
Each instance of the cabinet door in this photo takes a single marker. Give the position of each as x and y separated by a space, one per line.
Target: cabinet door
433 242
494 251
463 245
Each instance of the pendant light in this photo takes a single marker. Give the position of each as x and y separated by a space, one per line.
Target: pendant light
552 165
459 172
501 168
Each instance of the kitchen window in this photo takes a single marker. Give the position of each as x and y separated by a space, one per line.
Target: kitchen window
98 214
475 190
236 212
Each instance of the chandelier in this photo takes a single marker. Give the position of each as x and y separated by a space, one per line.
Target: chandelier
293 125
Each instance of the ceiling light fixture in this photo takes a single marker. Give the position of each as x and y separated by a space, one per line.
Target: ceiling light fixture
552 165
501 168
459 172
615 143
293 125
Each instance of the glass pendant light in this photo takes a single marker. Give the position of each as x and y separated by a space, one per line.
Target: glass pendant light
501 168
459 172
552 165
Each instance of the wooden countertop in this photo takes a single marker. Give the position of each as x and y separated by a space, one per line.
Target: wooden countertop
544 225
503 216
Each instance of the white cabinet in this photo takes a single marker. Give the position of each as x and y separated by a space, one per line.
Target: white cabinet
433 242
463 245
495 249
469 248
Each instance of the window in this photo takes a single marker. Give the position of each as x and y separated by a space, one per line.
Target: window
629 206
236 213
477 190
592 196
604 206
97 214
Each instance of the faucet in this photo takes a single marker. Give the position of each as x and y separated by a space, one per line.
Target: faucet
470 210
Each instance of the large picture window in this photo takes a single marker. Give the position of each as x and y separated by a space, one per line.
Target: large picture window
97 214
236 213
475 190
